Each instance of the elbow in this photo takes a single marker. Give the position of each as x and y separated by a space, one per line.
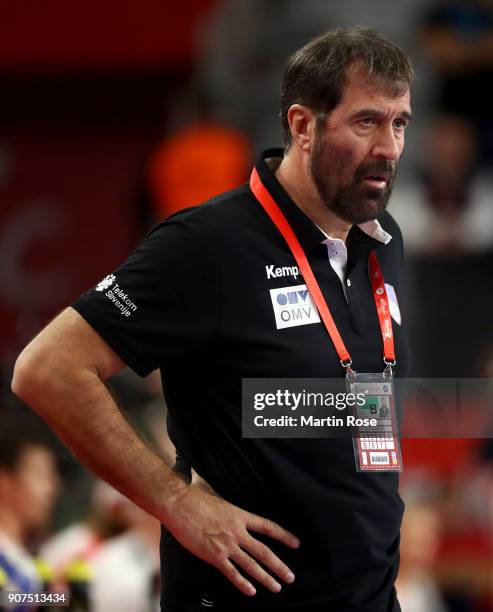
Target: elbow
22 379
29 376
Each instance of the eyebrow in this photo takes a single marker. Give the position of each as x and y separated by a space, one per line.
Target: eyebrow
373 111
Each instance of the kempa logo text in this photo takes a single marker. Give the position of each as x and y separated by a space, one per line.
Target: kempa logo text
281 271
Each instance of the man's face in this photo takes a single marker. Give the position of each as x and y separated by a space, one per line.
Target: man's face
356 149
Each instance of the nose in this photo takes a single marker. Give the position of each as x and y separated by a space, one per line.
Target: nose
387 145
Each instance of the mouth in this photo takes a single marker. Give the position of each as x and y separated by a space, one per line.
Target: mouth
379 181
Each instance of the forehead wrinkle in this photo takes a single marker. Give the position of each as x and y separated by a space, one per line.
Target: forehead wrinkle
359 84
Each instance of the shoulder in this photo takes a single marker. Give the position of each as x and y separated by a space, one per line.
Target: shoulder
196 237
211 216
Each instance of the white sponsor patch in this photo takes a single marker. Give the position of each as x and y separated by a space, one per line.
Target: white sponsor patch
293 306
395 311
119 298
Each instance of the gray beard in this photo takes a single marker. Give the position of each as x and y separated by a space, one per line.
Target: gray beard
355 203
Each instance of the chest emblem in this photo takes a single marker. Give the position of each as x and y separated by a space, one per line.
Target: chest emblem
293 306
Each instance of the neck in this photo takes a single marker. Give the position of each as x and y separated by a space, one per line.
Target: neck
11 526
295 179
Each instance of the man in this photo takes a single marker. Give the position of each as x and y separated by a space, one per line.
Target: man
28 488
291 524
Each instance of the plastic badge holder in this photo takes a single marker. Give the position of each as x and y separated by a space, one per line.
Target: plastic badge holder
376 438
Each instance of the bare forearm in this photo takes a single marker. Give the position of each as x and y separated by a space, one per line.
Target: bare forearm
79 408
60 375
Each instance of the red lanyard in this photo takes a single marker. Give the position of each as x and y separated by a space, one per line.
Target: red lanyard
376 276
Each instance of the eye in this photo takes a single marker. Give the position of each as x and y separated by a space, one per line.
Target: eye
368 121
400 124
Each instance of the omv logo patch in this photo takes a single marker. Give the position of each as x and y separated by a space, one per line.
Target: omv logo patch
293 306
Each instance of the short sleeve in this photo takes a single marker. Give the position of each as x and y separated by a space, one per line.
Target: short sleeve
160 304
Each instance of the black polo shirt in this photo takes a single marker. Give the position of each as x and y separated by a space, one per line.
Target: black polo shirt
194 299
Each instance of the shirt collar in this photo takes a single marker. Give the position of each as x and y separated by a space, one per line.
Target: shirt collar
361 239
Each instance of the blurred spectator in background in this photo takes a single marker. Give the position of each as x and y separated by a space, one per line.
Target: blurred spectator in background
109 561
447 535
457 40
446 215
81 540
28 489
126 568
196 162
447 210
464 565
420 536
244 45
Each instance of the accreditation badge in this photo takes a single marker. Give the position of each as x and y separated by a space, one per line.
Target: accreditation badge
376 436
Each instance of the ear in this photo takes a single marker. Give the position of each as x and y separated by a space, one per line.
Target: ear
302 123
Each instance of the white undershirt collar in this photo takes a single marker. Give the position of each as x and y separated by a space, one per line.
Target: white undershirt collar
371 228
337 250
